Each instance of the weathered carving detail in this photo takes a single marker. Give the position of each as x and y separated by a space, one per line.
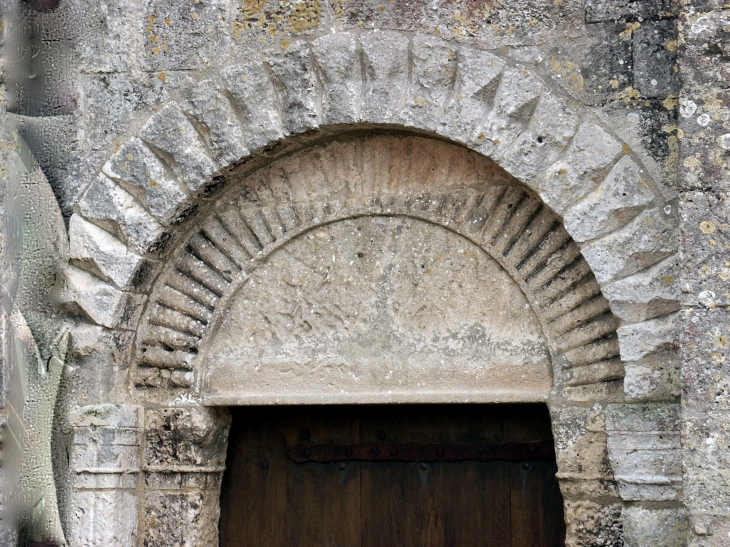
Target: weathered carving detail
413 177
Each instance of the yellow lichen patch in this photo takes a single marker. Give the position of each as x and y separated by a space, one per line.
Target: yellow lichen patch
569 71
305 15
668 279
285 44
339 8
718 357
150 23
252 8
168 22
670 103
613 83
628 33
152 183
162 76
672 45
707 227
129 156
626 149
628 95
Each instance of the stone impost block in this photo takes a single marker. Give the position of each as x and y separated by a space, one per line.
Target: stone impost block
171 134
550 129
103 303
108 415
658 527
296 78
513 105
115 210
222 131
385 56
477 80
588 158
182 438
621 196
256 100
144 175
338 57
649 238
645 451
98 251
648 294
434 68
642 339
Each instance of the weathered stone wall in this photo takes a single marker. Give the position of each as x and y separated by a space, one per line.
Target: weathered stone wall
143 114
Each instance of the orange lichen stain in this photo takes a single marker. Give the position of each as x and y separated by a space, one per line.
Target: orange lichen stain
168 22
382 8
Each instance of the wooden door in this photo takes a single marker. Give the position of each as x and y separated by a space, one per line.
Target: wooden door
381 476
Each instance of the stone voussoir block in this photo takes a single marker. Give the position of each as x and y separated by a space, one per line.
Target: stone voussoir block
551 128
477 79
338 57
587 159
98 251
293 70
649 238
224 133
170 133
651 293
513 105
619 198
642 339
434 68
106 204
144 175
385 55
100 301
255 100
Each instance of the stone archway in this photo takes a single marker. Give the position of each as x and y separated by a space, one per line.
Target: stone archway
155 215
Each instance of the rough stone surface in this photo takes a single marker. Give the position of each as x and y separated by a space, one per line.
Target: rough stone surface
662 527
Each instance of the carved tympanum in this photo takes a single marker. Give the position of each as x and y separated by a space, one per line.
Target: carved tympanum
237 292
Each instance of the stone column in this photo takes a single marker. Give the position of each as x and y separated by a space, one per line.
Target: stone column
104 466
184 460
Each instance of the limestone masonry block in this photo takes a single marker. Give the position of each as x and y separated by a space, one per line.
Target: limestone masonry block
386 71
645 451
647 294
255 100
294 73
512 107
99 300
654 63
97 250
477 80
540 144
591 523
642 339
434 68
106 517
223 131
655 377
658 527
170 132
144 175
591 153
115 210
649 238
338 57
619 198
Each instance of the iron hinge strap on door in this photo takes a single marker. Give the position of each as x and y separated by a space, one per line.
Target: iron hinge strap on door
423 452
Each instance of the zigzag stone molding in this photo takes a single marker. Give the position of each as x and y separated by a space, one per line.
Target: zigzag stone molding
191 148
416 177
